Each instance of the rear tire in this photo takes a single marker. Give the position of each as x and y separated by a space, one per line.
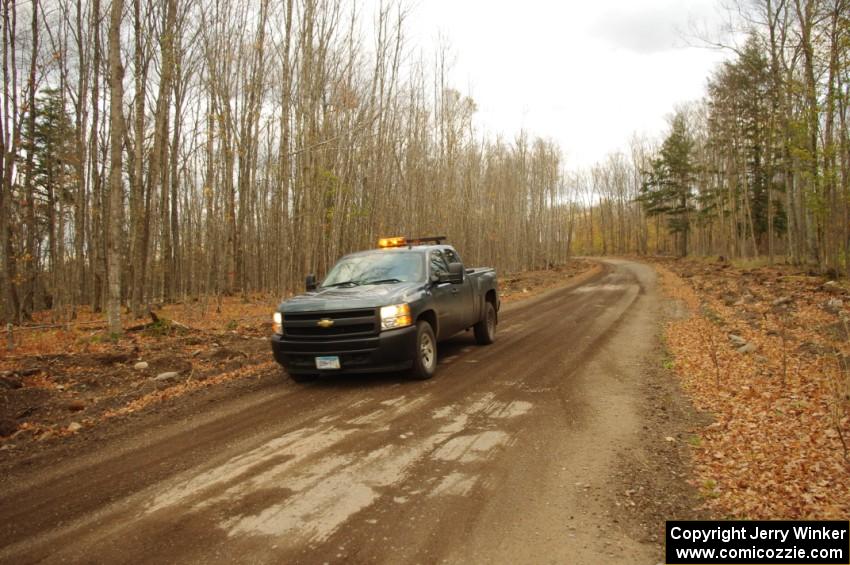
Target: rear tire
485 330
425 355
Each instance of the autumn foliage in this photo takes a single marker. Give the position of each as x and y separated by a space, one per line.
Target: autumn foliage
765 352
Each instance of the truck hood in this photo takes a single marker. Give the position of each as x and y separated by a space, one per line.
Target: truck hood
349 298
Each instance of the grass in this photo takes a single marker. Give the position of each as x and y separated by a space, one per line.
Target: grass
709 489
667 360
161 328
712 316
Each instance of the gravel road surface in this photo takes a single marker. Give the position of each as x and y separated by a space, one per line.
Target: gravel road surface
512 453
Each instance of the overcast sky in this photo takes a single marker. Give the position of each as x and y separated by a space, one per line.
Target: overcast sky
587 73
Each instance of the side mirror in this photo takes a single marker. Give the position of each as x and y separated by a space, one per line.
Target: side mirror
310 283
456 273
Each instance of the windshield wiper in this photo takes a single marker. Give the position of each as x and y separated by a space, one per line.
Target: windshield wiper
343 283
382 281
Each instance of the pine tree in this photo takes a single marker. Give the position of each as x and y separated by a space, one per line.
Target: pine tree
743 135
54 149
49 180
668 186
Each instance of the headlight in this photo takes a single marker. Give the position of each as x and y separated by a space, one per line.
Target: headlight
277 323
397 316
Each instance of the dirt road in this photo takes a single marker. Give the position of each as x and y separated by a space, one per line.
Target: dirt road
516 452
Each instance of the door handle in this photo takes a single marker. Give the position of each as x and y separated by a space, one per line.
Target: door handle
454 290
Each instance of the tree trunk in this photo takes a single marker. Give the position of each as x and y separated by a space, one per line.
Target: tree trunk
116 188
139 218
30 257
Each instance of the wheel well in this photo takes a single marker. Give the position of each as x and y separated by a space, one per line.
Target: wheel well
491 298
430 317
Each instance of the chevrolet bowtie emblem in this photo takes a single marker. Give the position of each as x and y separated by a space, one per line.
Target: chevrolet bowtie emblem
325 323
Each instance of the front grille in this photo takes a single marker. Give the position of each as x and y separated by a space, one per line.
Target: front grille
346 323
335 330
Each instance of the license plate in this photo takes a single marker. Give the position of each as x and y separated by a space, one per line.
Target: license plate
328 362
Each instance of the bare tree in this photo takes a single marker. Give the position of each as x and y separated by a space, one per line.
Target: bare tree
116 184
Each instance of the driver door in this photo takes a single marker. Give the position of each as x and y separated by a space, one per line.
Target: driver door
445 295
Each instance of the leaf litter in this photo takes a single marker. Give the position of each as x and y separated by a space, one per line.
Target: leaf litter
766 352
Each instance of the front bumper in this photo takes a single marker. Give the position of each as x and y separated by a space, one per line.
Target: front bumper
391 350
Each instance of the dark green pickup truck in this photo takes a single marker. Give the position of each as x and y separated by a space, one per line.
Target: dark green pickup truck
385 310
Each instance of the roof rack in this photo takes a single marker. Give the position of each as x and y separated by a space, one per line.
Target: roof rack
436 239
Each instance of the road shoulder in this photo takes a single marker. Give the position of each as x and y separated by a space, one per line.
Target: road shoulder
603 480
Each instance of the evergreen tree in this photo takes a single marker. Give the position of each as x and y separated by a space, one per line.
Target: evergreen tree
53 182
54 148
742 134
667 187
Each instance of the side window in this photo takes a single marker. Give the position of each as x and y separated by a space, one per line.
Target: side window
438 264
451 256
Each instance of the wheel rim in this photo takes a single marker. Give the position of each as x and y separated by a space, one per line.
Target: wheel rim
426 351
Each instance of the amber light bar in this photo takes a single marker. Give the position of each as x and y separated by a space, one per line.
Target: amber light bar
385 242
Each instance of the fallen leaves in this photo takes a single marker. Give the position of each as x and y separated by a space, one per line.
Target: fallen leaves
86 332
49 396
177 390
526 284
781 398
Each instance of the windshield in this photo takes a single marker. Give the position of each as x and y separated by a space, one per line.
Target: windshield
377 268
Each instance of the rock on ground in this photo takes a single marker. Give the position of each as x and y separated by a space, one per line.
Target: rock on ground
169 376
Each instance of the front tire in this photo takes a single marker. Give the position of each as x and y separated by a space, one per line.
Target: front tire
302 378
425 357
485 330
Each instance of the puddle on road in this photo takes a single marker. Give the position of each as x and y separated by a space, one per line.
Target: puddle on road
320 489
443 412
390 410
469 448
455 484
455 426
487 405
293 447
327 495
369 418
511 410
318 515
601 287
484 401
397 401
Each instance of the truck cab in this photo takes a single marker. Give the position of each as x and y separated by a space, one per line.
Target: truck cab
385 309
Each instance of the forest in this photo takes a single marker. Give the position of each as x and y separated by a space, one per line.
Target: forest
162 150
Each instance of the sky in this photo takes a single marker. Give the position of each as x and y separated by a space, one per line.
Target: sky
588 74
